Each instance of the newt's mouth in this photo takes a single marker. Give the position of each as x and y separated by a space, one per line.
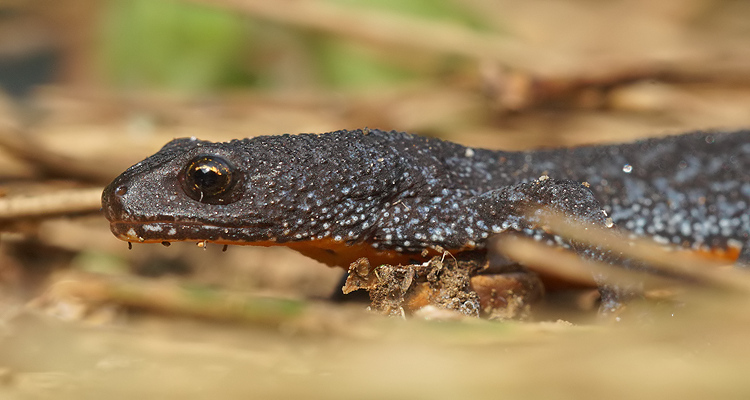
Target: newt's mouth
159 232
327 250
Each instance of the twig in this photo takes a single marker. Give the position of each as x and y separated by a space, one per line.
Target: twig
390 29
174 299
668 260
66 201
567 265
22 146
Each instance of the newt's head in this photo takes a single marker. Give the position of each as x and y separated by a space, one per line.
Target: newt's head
262 191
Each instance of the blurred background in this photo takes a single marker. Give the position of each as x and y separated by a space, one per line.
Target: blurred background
90 87
531 73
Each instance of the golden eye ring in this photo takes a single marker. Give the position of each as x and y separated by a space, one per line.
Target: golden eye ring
210 179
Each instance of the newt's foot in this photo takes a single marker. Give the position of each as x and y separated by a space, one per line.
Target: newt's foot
446 283
743 261
507 295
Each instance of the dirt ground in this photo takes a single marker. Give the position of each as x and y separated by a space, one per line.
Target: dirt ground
81 316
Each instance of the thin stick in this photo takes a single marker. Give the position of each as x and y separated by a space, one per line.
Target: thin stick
390 29
54 203
667 259
22 146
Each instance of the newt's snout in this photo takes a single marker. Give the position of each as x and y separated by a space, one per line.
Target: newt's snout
112 200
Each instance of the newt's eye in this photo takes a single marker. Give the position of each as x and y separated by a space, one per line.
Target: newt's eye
210 179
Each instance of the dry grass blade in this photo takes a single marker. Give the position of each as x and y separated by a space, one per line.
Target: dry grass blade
390 29
173 299
66 201
669 260
568 265
22 146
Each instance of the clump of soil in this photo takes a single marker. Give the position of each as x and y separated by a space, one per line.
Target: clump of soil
446 283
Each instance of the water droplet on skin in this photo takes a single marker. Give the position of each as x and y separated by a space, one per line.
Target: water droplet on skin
627 168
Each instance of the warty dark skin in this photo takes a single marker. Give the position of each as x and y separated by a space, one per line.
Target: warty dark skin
389 196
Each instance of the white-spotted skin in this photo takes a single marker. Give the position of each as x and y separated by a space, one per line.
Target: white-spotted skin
406 193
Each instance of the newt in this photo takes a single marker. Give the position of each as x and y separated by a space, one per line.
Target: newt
397 198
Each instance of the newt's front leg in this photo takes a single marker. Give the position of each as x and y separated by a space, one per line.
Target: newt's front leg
744 259
473 283
525 209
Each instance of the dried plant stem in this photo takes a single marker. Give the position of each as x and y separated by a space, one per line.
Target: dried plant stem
54 203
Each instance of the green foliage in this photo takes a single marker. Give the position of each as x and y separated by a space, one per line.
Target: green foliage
179 45
450 11
342 64
170 43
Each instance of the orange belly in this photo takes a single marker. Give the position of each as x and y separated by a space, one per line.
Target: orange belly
334 253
